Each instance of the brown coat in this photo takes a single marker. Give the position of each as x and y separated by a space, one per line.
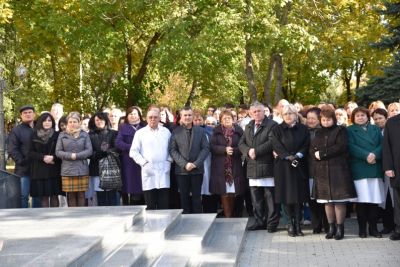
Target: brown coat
218 153
332 176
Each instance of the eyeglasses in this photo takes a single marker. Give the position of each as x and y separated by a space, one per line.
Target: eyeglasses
211 123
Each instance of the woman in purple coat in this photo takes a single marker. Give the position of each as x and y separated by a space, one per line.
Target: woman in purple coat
131 177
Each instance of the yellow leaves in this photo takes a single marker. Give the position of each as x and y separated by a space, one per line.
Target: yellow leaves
6 12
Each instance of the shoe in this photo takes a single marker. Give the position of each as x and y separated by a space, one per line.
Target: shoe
306 222
331 232
339 232
395 236
362 234
386 231
272 229
298 230
316 231
362 230
291 229
255 227
375 233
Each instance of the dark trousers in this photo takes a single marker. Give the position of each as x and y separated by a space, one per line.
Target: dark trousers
318 215
132 199
107 198
210 203
156 199
190 192
294 211
387 213
367 213
396 208
265 209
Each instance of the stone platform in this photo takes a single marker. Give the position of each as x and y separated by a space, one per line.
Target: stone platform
117 236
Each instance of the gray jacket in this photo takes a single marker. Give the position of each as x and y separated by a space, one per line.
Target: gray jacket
66 145
195 152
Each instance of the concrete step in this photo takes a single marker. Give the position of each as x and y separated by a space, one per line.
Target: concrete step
223 244
142 242
184 241
60 237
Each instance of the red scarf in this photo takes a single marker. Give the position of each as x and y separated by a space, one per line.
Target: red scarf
228 134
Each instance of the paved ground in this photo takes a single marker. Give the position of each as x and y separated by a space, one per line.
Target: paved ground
261 248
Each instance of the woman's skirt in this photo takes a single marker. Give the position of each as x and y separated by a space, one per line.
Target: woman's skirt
45 187
370 190
75 183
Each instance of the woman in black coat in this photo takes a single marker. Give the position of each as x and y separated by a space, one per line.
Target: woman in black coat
103 141
318 217
227 179
46 167
333 184
290 143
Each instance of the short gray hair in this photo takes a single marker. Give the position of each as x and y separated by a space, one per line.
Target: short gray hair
291 108
257 104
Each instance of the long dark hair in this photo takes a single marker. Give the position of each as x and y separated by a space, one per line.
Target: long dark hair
42 118
129 111
102 116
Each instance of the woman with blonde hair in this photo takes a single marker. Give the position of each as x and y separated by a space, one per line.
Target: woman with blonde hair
393 109
74 148
290 141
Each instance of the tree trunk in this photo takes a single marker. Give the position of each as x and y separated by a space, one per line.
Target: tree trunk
134 92
268 80
53 62
347 82
191 94
279 77
359 71
250 74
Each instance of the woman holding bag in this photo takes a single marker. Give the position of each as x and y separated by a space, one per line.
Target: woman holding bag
103 140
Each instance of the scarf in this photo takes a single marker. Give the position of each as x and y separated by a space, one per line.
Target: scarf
228 133
45 135
73 132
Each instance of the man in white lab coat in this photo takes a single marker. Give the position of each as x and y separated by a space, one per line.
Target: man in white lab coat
150 150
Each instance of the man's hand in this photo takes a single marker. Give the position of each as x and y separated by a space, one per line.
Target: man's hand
73 156
389 173
252 153
316 154
190 166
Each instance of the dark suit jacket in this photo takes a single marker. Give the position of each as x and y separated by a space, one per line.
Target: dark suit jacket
391 149
262 166
195 152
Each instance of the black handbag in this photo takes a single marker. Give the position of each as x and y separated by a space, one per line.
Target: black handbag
110 172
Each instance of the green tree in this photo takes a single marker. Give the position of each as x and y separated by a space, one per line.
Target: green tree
386 87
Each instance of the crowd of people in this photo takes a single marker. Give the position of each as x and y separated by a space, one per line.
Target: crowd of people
280 162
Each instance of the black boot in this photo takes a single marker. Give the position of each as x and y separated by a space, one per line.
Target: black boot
362 230
298 229
291 228
331 232
339 232
373 231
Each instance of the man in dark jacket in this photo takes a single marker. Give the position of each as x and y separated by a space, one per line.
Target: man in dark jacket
18 149
391 166
256 145
189 148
